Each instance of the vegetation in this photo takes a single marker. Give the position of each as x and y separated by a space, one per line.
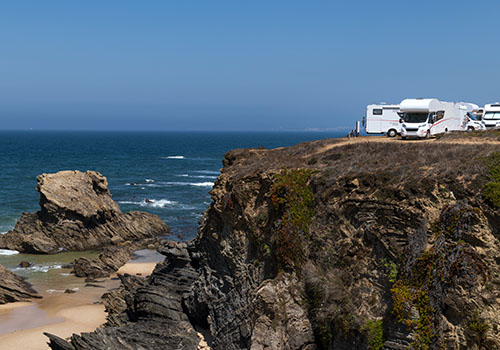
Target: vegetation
292 196
478 327
391 268
491 191
375 330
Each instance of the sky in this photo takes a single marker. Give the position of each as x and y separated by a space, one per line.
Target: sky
237 65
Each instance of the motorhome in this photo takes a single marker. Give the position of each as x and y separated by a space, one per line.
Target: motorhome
382 119
426 117
491 115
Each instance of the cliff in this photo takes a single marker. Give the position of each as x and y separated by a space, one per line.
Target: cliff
329 245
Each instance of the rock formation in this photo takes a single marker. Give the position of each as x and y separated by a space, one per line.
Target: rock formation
14 288
329 245
78 213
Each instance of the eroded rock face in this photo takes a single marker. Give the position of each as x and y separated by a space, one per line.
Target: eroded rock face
407 250
14 288
78 213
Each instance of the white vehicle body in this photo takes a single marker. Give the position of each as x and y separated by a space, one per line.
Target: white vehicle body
382 119
429 117
491 115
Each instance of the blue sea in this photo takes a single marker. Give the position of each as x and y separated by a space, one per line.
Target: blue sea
174 171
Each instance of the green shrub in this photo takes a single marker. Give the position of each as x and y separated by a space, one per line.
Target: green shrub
375 330
491 191
292 196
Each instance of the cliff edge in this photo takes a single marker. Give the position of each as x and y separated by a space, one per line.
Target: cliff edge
330 244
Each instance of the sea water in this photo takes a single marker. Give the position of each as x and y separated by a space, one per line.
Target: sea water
168 174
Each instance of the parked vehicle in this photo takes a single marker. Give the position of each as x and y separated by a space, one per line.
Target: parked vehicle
473 123
382 119
491 115
423 118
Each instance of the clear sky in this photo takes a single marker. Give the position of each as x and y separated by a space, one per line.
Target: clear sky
237 65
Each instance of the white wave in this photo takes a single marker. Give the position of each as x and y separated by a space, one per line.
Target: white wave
174 157
37 268
8 252
149 180
204 176
65 274
155 203
183 175
202 184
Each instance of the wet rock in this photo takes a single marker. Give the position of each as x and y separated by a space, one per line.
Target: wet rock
78 213
25 264
69 291
14 288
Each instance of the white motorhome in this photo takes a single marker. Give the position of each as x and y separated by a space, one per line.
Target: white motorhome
426 117
382 119
491 115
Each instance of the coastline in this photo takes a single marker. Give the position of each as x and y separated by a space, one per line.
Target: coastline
22 324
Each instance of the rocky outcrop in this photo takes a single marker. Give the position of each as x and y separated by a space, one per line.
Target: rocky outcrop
78 213
14 288
329 245
110 260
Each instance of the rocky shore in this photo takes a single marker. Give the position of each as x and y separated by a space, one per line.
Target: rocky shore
329 245
78 213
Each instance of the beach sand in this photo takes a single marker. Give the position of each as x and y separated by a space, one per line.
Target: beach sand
22 324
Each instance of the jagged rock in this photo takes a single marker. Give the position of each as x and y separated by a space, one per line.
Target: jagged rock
110 260
14 288
420 225
78 213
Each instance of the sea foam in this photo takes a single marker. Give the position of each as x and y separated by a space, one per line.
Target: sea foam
174 157
8 252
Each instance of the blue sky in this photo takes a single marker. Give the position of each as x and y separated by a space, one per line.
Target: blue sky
234 65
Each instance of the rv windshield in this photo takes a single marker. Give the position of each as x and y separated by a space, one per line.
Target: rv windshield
491 115
415 117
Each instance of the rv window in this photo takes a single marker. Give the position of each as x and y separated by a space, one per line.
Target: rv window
377 112
439 115
491 115
415 117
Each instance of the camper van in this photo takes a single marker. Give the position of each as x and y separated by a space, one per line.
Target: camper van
382 119
426 117
491 115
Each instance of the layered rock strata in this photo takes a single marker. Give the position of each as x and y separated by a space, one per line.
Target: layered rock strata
78 213
330 245
14 288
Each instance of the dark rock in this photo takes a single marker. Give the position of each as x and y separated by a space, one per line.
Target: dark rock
25 264
78 213
14 288
94 285
69 291
395 229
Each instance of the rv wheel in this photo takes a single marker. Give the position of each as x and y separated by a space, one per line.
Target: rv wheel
428 135
470 128
392 133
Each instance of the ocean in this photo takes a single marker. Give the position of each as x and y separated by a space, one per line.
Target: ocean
168 174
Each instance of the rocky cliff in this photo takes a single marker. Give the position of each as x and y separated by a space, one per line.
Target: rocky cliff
329 245
78 213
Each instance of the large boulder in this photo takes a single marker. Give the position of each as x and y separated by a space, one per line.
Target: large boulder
14 288
78 213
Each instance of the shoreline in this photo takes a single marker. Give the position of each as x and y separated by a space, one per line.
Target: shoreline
22 324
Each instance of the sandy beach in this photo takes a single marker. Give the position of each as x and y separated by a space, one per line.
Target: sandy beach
22 324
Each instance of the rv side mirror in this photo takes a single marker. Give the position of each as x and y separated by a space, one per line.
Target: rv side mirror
400 120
